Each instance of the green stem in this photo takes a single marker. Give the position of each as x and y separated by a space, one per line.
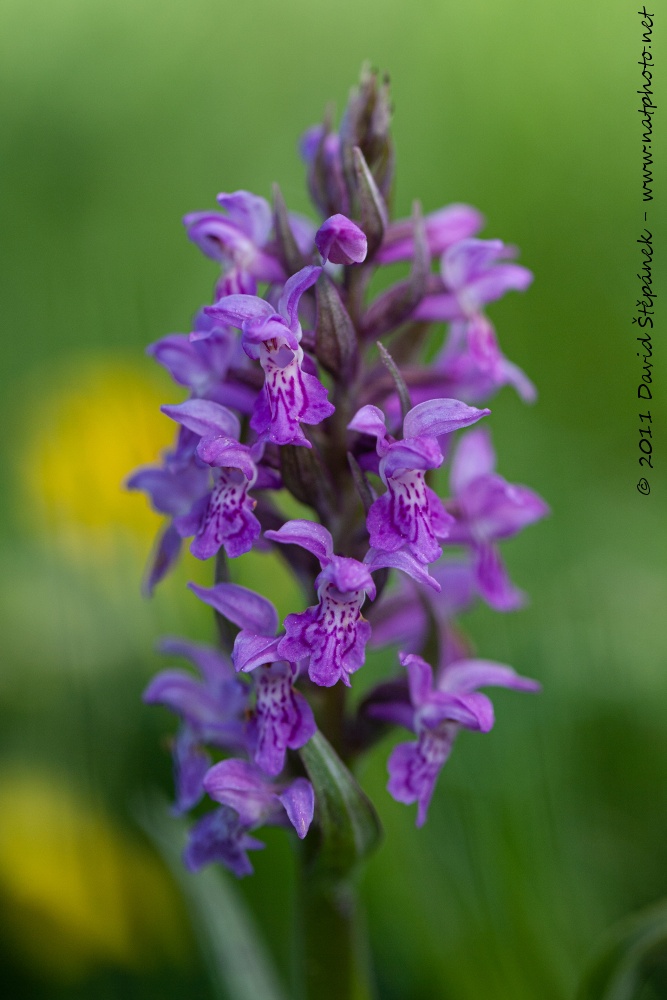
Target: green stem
335 963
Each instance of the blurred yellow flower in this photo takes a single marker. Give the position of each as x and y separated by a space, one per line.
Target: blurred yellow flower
85 436
78 890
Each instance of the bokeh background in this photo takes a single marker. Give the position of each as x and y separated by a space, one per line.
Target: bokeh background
116 119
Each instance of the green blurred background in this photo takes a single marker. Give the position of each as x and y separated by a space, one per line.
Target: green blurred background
116 120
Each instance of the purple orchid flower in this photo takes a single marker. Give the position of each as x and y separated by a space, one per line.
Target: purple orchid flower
290 395
238 239
487 509
331 635
410 517
436 713
257 800
282 719
223 517
471 278
212 710
443 228
220 836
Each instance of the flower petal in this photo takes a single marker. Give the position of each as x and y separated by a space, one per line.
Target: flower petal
288 304
403 560
468 675
474 456
239 309
240 605
440 416
341 241
309 535
299 802
204 417
252 650
249 212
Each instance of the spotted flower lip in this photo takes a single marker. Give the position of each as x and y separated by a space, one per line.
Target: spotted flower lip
224 516
283 718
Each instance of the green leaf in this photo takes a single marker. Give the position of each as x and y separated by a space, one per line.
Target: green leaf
239 965
624 963
348 824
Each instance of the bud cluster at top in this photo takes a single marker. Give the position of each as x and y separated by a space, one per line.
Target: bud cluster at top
300 381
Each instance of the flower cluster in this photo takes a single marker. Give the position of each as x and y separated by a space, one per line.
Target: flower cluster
300 383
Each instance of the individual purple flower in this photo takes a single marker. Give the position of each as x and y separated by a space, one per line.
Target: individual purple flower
258 800
331 635
410 516
281 719
212 710
435 713
488 509
443 228
341 241
224 517
220 836
238 239
472 277
290 396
